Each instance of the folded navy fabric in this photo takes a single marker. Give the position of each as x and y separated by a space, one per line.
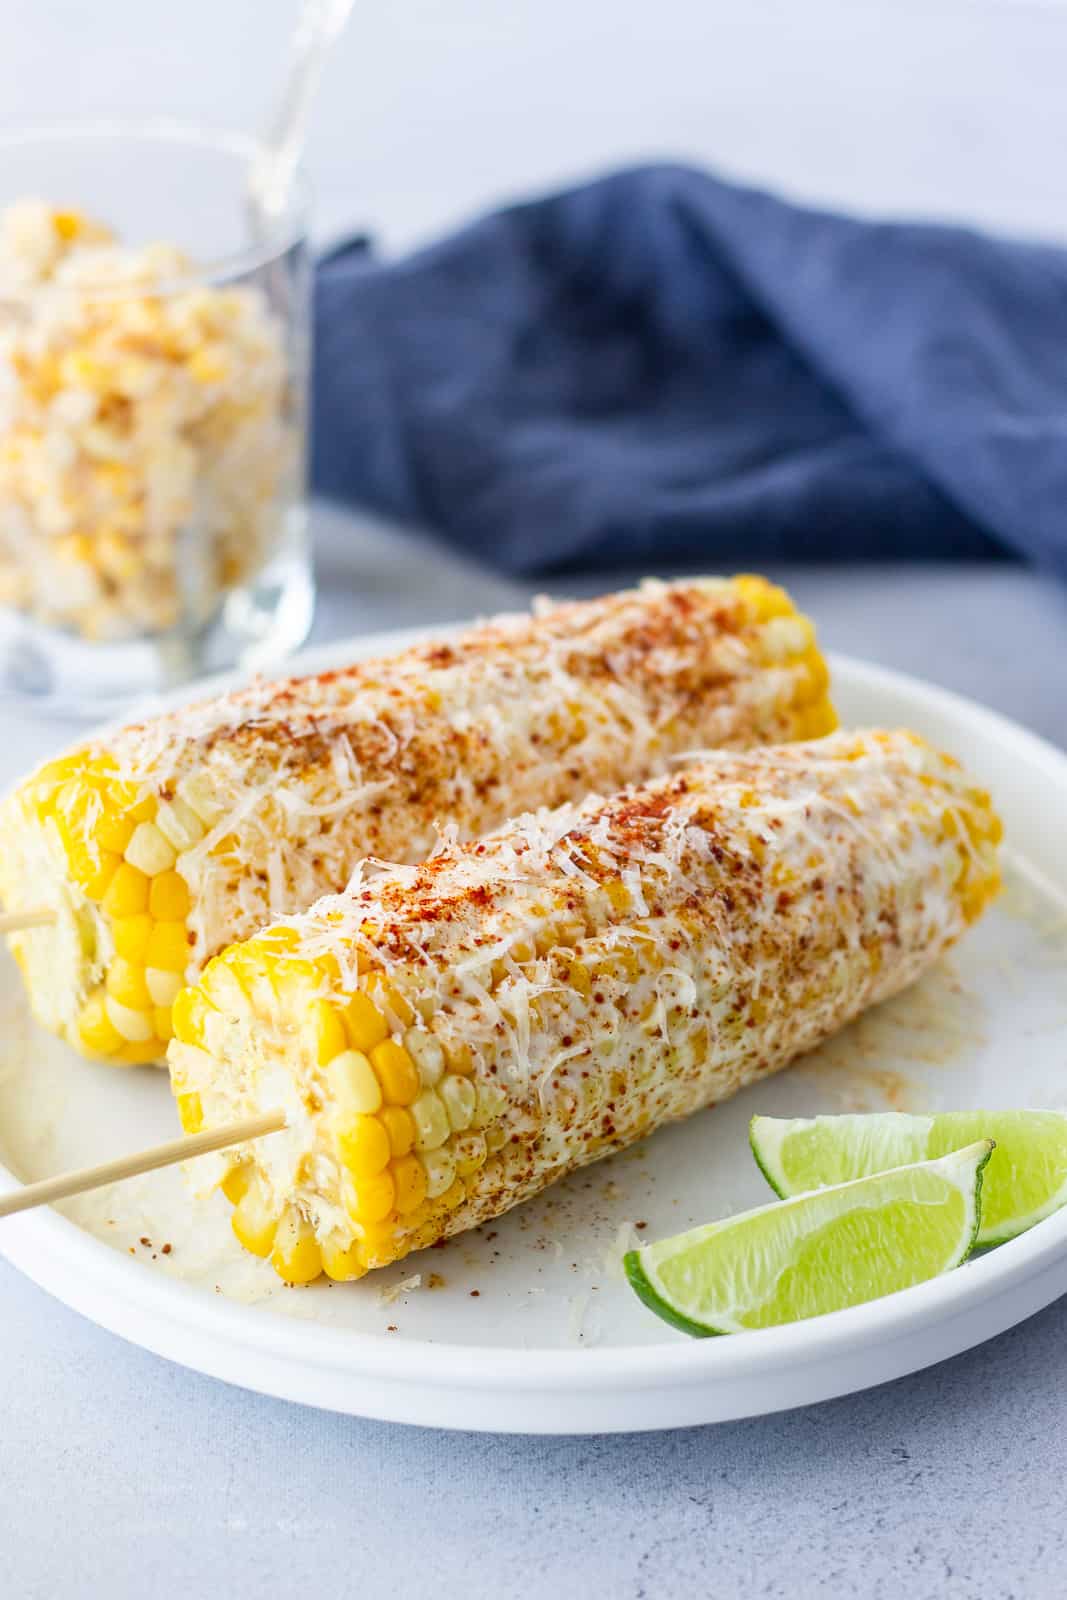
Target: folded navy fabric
660 367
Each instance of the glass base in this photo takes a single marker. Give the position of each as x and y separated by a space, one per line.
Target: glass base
54 673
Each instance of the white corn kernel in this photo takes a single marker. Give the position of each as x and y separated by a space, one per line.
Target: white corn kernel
134 1026
427 1055
354 1083
198 793
179 824
458 1096
164 987
491 1100
470 1153
431 1121
440 1172
150 850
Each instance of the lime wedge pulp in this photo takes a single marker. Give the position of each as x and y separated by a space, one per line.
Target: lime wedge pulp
1025 1181
817 1252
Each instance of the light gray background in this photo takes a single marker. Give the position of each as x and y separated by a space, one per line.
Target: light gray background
126 1477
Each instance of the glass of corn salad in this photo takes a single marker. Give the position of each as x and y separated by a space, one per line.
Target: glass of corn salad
153 356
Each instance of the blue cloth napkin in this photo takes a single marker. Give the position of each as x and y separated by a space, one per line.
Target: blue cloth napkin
660 367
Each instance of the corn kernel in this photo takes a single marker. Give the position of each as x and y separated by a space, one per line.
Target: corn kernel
113 832
496 1137
396 1071
168 945
342 1263
364 1023
371 1199
389 999
168 897
134 1026
431 1121
179 824
138 1053
131 935
328 1031
409 1176
96 880
190 1112
95 1029
353 1083
161 1022
150 850
490 1101
189 1016
296 1256
470 1153
363 1144
400 1127
253 1223
440 1172
459 1098
427 1054
127 893
163 987
126 981
460 1058
235 1184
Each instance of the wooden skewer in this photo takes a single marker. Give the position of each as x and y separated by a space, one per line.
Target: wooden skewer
15 921
160 1155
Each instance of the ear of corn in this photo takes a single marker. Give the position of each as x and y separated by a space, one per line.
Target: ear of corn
522 1005
178 837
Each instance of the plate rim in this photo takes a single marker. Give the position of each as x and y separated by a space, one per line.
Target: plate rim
87 1274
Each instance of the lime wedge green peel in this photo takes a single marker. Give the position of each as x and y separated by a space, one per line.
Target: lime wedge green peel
818 1252
1025 1181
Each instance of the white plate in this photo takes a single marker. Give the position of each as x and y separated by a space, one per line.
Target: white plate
527 1325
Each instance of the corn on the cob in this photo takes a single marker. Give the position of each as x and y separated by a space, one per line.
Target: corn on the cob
169 841
447 1039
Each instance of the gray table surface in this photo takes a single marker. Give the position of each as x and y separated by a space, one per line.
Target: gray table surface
125 1476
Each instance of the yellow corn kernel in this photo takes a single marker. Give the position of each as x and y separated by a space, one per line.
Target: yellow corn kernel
364 1023
162 1024
454 1195
396 1071
342 1263
189 1015
409 1176
131 936
150 850
400 1127
127 893
458 1096
168 897
296 1256
431 1121
353 1083
470 1153
619 895
191 1112
235 1184
113 832
390 999
427 1054
168 946
440 1172
490 1102
138 1053
207 365
95 1029
126 982
371 1199
135 1026
328 1031
460 1058
163 987
363 1144
253 1223
223 988
496 1137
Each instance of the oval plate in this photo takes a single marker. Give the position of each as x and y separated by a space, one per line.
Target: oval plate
527 1324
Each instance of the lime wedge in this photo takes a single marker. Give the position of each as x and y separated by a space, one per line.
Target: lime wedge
818 1252
1025 1180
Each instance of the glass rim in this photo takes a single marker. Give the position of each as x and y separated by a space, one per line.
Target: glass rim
285 232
